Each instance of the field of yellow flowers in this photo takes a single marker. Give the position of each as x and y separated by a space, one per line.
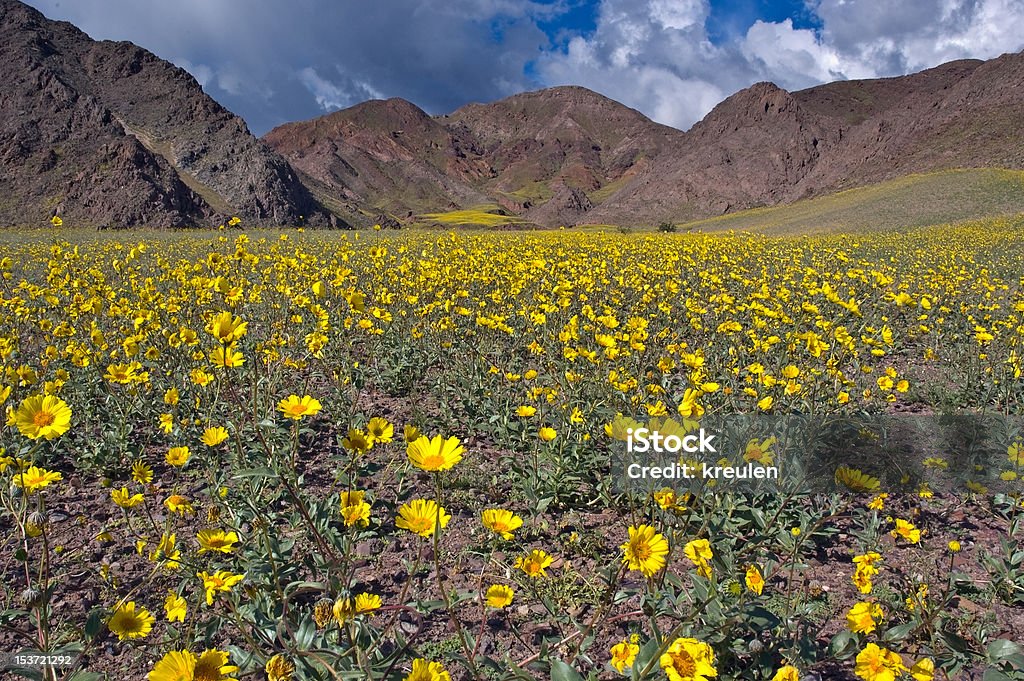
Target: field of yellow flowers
310 455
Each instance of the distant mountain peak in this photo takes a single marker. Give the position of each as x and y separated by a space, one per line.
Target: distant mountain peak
567 154
104 132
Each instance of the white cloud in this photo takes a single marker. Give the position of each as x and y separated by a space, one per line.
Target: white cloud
328 95
439 54
796 58
678 14
656 56
901 37
201 72
272 62
332 96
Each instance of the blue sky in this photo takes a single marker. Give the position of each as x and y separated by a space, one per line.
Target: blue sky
727 20
730 20
273 62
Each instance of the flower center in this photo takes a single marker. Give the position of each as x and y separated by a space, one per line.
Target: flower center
433 461
207 673
43 419
421 524
683 663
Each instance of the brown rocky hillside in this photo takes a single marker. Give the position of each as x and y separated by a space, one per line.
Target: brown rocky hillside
106 133
546 155
567 155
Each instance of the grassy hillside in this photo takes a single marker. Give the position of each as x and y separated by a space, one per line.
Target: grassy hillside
478 216
910 201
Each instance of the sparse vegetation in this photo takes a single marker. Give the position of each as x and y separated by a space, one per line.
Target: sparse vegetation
911 201
388 456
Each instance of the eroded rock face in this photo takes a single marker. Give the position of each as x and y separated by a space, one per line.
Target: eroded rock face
539 154
765 146
107 134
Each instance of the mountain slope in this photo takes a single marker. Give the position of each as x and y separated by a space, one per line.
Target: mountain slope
764 146
106 133
915 200
382 157
567 155
751 149
540 155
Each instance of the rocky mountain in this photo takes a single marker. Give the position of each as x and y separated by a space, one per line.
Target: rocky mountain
107 134
382 158
546 156
765 146
567 155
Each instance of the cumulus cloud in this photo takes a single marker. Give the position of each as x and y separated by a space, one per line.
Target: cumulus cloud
656 55
899 37
791 55
274 63
331 95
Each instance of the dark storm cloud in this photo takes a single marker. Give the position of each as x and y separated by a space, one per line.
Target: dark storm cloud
274 61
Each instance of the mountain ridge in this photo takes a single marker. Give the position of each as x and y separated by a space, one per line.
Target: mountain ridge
567 155
118 136
106 133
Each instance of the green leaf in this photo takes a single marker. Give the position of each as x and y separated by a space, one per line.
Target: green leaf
899 633
994 675
94 624
956 642
304 636
1001 649
762 619
33 674
315 586
254 473
560 671
647 651
843 645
